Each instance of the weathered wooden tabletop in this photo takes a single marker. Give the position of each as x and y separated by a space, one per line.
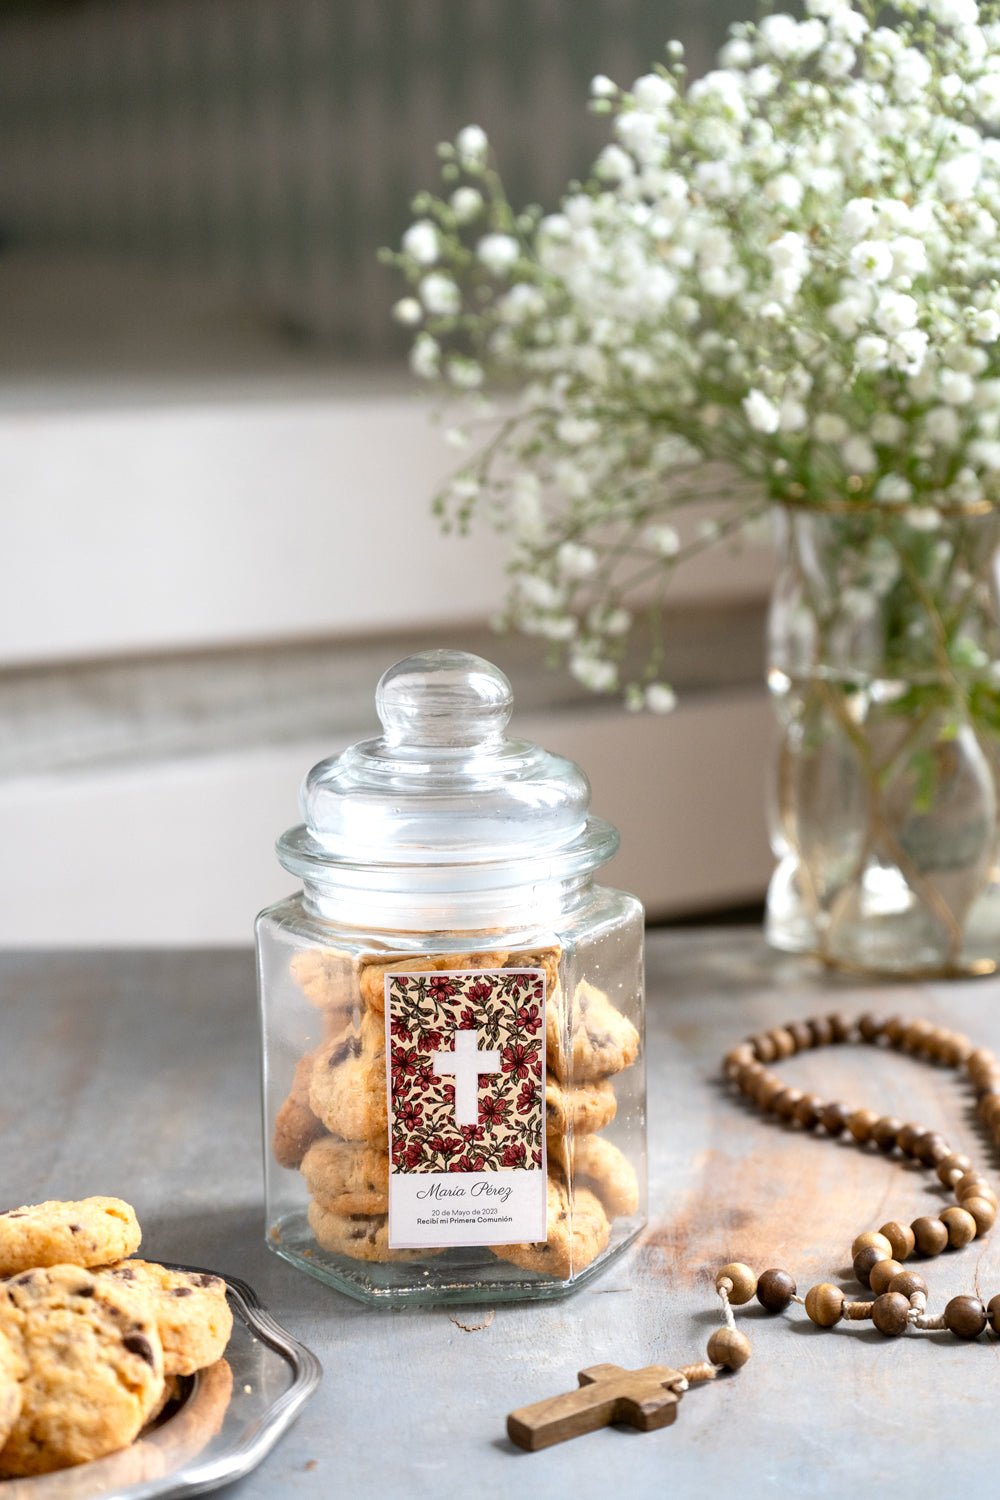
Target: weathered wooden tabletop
136 1074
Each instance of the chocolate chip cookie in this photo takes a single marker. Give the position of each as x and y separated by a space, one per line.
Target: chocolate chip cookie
193 1318
89 1232
347 1177
92 1366
295 1125
578 1231
589 1038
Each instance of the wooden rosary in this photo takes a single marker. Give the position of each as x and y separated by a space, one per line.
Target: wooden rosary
648 1398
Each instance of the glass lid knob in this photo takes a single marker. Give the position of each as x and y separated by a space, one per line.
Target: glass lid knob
445 698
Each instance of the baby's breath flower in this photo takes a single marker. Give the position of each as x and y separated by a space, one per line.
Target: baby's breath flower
421 243
440 295
761 412
408 311
660 698
498 252
789 266
472 145
466 203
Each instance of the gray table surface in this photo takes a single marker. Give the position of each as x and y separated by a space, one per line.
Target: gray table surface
135 1074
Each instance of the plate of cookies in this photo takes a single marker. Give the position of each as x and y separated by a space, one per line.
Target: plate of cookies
125 1377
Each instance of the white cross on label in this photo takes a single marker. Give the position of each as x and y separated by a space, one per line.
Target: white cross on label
466 1064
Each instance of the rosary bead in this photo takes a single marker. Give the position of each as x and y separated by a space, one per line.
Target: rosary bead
959 1049
763 1046
881 1274
729 1347
908 1137
808 1111
825 1304
983 1211
840 1027
767 1090
784 1042
834 1117
784 1104
869 1027
931 1148
953 1167
901 1239
861 1123
866 1260
736 1057
871 1237
981 1064
891 1314
916 1034
821 1030
742 1282
775 1290
895 1029
930 1234
961 1226
974 1186
908 1282
885 1132
993 1313
965 1317
800 1035
988 1109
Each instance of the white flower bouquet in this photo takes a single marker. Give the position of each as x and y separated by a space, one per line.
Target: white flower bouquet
790 268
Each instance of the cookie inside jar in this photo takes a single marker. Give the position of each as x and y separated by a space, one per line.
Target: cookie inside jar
454 1098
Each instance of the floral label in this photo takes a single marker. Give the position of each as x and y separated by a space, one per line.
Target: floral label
465 1064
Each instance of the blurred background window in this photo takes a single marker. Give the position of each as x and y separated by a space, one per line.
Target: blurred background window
216 472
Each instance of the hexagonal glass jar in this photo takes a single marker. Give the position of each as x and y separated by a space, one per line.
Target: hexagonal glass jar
452 1012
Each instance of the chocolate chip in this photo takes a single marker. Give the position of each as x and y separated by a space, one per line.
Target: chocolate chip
180 1291
76 1229
85 1291
124 1274
349 1047
12 1213
203 1279
137 1343
24 1280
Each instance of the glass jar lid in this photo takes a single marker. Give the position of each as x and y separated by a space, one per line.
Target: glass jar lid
443 799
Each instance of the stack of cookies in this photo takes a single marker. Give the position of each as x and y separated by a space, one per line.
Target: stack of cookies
333 1125
92 1342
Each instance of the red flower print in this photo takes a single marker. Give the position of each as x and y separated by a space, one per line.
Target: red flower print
401 1031
404 1061
443 1145
440 987
519 1058
468 1020
410 1115
430 1041
514 1154
528 1097
528 1018
493 1110
413 1154
472 1132
481 990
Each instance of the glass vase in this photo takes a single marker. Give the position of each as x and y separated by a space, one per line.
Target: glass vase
883 667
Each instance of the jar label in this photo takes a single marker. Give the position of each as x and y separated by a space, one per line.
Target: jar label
465 1064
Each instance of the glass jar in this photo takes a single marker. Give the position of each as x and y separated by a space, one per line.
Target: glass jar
883 650
452 1012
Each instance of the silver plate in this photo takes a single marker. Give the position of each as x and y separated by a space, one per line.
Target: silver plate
229 1417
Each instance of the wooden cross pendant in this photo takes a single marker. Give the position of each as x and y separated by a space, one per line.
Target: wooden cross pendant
645 1399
